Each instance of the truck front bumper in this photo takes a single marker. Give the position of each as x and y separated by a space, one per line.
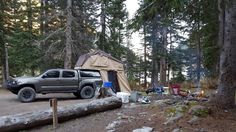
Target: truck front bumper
14 88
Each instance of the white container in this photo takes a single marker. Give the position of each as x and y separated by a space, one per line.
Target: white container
124 96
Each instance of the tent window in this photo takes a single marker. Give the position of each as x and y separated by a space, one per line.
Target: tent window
89 74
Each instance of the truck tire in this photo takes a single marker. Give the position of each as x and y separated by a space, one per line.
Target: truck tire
87 92
26 94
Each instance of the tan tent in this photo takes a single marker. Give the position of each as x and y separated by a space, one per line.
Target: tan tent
111 69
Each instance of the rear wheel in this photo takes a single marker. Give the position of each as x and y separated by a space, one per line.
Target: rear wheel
26 94
87 92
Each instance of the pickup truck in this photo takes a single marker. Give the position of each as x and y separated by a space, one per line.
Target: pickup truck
81 82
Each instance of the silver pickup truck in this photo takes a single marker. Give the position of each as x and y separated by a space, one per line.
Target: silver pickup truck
82 83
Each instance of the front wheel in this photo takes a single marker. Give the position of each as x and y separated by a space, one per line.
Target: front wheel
26 94
87 92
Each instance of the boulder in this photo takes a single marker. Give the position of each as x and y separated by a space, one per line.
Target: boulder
199 110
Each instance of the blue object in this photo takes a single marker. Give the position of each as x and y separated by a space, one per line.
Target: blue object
158 89
107 84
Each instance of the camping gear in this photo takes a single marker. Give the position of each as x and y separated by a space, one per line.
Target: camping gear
175 89
135 96
157 89
105 90
124 96
107 84
110 68
144 100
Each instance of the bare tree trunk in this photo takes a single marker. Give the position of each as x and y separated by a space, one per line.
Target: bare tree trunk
225 96
68 50
163 58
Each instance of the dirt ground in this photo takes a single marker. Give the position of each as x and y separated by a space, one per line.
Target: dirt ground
134 115
11 105
131 116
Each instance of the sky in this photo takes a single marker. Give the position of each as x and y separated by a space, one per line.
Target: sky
132 7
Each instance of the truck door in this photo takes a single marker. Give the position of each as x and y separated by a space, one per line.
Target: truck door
69 81
50 80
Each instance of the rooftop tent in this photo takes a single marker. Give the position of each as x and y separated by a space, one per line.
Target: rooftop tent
111 69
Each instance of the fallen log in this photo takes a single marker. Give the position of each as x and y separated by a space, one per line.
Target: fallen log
32 119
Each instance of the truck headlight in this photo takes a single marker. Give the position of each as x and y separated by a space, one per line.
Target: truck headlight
14 82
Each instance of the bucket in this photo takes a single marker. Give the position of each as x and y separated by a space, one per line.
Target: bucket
176 91
107 84
124 96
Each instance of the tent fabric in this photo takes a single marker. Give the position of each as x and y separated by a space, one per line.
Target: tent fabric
104 62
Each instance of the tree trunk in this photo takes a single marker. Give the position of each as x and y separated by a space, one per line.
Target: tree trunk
68 50
29 15
5 64
225 96
198 54
32 119
155 36
4 52
103 24
145 56
163 58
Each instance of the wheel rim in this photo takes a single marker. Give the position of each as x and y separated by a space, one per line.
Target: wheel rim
88 92
26 94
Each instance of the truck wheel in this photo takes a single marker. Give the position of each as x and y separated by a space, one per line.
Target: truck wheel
87 92
26 94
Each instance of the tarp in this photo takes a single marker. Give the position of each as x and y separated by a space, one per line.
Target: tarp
104 62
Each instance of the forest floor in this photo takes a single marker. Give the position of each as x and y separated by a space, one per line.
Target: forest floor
163 114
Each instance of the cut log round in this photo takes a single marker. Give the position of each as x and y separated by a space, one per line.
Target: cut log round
32 119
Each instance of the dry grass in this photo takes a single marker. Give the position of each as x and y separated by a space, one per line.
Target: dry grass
209 83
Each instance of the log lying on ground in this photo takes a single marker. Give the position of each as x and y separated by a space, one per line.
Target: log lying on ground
32 119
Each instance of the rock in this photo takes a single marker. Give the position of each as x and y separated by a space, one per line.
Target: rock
143 114
190 103
112 125
165 101
200 130
144 129
135 96
194 120
199 110
110 130
190 98
174 119
176 130
203 99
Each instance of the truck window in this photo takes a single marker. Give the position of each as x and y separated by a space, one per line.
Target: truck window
52 74
89 74
68 74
